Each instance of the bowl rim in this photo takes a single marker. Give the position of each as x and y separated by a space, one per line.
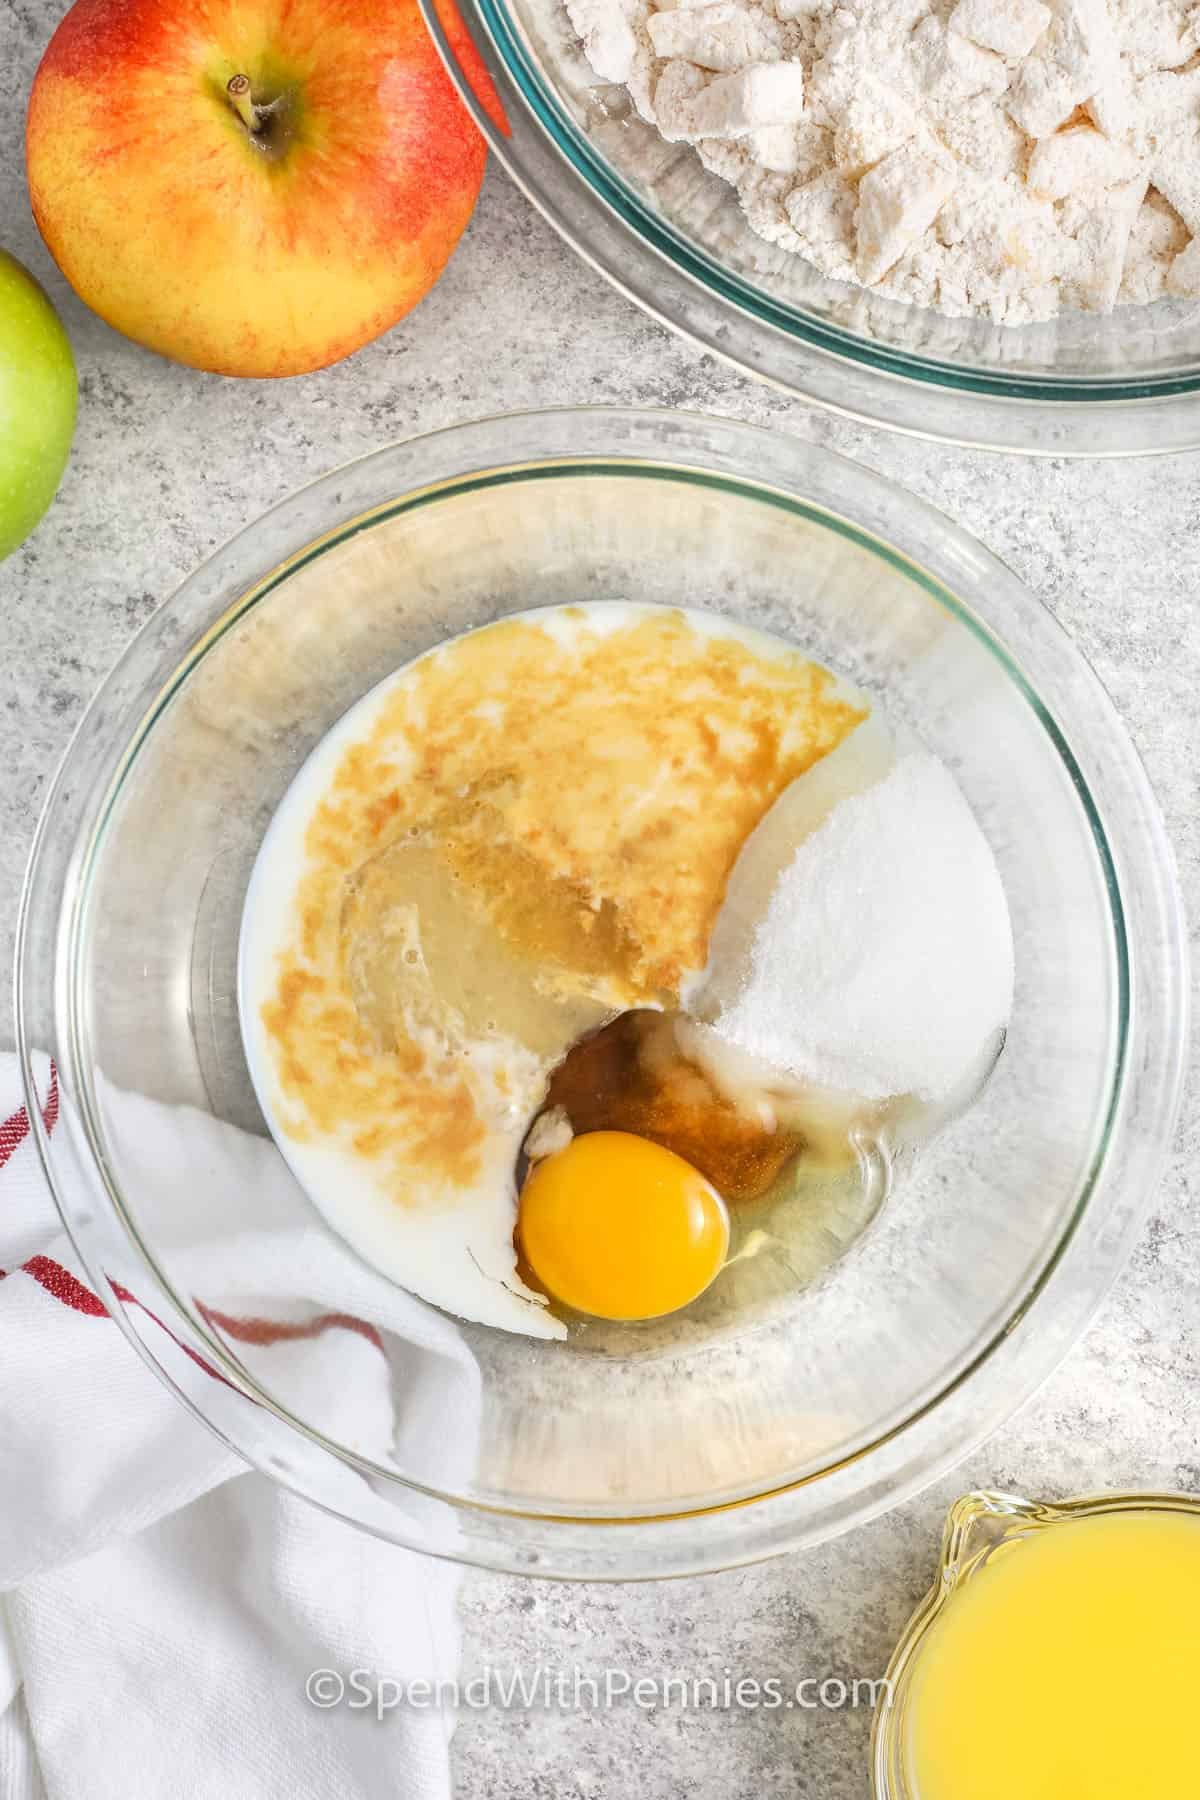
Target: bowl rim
739 441
678 282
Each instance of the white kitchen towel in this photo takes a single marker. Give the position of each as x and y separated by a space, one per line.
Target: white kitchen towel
161 1607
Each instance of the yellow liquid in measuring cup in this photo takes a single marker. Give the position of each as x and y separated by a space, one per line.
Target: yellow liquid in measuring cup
1068 1668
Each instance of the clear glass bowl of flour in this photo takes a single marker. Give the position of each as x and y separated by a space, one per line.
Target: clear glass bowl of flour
673 238
907 1330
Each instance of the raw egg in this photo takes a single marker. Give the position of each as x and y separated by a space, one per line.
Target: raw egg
621 1228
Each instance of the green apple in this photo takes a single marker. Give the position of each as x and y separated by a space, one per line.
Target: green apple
38 392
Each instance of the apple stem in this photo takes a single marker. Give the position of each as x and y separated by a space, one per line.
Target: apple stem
253 117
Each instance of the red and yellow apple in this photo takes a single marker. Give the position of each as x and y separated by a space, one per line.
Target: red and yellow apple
256 187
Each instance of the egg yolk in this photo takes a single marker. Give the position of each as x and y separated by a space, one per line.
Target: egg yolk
621 1228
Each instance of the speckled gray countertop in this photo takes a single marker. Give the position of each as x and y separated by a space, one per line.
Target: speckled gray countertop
169 463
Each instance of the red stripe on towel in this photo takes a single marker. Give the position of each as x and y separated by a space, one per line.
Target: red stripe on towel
64 1286
276 1331
72 1292
15 1128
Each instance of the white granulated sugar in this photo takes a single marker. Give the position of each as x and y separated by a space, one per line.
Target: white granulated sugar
1014 158
883 962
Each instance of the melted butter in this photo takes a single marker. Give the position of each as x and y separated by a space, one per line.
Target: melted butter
1065 1668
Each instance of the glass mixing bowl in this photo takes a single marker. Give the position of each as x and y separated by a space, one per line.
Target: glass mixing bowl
672 237
697 1449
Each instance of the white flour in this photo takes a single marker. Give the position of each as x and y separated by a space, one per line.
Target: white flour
1004 157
